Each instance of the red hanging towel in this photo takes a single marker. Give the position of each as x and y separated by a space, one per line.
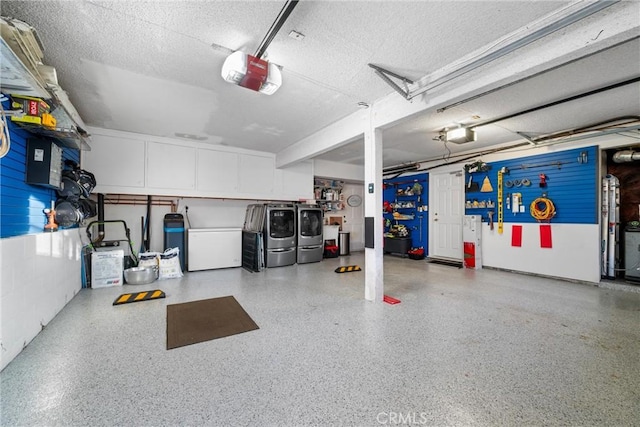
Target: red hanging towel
545 236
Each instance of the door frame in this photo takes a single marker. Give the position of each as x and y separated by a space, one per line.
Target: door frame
433 192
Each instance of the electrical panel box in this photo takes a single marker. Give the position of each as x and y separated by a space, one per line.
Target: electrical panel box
44 163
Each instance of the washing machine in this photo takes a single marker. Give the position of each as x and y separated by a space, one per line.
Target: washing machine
310 241
280 236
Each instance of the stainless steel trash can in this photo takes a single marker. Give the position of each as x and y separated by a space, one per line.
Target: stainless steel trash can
344 243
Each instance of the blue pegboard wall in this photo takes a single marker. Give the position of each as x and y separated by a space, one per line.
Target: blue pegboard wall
23 204
417 202
571 184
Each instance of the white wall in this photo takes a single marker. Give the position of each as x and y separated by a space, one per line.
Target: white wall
353 217
575 251
340 171
202 213
39 275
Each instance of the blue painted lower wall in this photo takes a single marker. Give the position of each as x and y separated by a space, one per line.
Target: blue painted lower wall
22 204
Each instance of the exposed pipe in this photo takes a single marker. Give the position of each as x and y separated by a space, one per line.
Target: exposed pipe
100 236
147 236
596 127
558 102
574 136
626 156
466 156
392 169
134 202
275 27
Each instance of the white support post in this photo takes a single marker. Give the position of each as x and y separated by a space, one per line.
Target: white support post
374 270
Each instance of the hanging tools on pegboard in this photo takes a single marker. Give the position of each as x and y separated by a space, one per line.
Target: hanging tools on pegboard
500 200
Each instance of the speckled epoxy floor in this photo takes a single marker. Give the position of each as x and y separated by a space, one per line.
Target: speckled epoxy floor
463 348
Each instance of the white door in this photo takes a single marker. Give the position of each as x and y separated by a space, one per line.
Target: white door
446 212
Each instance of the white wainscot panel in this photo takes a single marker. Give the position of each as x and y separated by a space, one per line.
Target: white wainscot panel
170 166
115 161
217 170
575 251
256 174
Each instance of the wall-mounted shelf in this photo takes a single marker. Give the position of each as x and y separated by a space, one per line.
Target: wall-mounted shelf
405 213
23 73
328 194
69 138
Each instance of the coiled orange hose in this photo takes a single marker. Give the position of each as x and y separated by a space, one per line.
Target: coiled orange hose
542 214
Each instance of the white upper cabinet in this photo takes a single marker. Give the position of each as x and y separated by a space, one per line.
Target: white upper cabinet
116 161
257 174
217 171
126 163
171 166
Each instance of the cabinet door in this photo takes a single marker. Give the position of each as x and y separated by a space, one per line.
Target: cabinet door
115 161
170 166
217 171
256 174
295 181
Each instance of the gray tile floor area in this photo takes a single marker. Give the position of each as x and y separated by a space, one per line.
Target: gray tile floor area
463 348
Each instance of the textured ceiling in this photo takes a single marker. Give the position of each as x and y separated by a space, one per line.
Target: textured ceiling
154 67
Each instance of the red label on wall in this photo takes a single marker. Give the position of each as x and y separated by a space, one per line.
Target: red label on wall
516 235
545 236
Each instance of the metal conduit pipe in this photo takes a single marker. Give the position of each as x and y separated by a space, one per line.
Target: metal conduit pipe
626 156
100 235
139 202
465 156
619 124
558 102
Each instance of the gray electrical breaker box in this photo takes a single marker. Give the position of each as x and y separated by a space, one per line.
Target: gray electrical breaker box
44 163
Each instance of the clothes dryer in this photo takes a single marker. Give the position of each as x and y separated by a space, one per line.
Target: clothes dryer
310 240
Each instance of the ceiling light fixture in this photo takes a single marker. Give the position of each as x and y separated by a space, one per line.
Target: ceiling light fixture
460 135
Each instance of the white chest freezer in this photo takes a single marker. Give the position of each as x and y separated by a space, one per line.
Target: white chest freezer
210 248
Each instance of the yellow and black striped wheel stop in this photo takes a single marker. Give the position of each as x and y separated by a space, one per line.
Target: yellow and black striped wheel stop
348 269
139 296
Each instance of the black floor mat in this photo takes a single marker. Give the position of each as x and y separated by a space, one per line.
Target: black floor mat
445 262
